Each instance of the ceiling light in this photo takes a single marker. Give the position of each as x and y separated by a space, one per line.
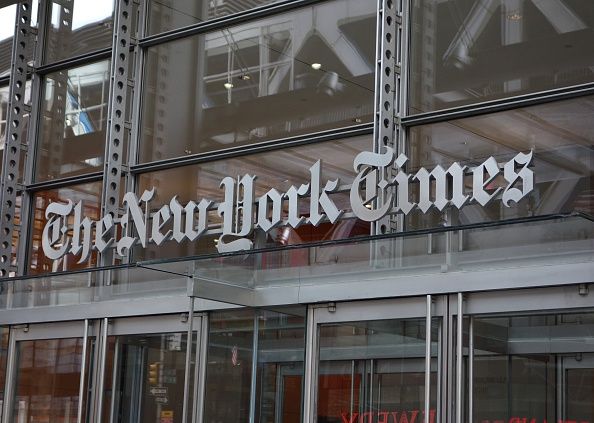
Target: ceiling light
316 66
245 77
228 85
514 16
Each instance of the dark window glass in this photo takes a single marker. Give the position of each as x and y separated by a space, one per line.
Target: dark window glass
291 74
7 25
275 169
79 28
561 136
90 195
72 130
165 15
466 51
4 332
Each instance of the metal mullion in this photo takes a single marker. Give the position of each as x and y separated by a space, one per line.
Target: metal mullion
64 182
83 366
262 147
482 108
83 59
254 377
428 359
310 368
201 366
459 351
470 368
225 21
187 373
101 370
10 381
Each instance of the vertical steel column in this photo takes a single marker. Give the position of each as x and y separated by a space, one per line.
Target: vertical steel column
428 359
187 373
310 368
386 90
201 364
83 367
459 341
470 368
254 384
103 334
14 144
10 382
117 125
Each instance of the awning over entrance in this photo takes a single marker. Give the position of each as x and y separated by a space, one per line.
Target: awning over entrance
543 251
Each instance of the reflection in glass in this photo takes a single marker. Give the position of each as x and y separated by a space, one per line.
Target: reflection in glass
168 15
534 368
90 195
277 169
561 136
279 370
466 51
374 371
255 82
72 130
47 380
7 25
149 377
74 30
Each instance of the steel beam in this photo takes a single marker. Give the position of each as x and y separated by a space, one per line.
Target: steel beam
14 144
117 128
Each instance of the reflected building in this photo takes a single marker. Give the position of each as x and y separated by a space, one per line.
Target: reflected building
297 211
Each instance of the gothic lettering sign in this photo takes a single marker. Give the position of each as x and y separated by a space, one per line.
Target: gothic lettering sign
373 195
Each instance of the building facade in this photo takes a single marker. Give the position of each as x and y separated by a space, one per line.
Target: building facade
264 211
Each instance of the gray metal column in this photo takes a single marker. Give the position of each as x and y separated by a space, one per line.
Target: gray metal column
118 127
387 90
14 144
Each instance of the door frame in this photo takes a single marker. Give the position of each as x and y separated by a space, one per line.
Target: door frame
164 324
79 329
426 307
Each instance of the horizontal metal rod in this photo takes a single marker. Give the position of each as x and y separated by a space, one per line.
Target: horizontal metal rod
494 106
82 59
63 182
225 21
266 146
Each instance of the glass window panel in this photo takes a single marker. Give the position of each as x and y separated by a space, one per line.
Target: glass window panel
533 368
276 169
281 349
561 135
255 82
84 28
90 195
47 380
466 51
7 25
168 15
72 131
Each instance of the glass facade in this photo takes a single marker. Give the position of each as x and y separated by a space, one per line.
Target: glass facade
331 211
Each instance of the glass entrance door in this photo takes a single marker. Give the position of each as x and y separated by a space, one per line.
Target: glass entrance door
49 369
371 362
146 369
530 361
